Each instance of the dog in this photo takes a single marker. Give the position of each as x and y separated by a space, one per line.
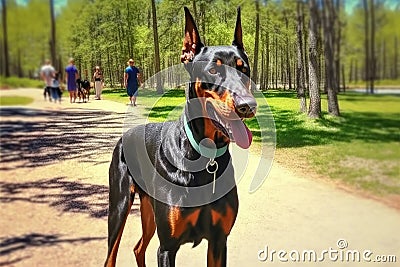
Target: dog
182 170
83 90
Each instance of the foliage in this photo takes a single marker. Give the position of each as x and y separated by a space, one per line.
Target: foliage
387 20
107 33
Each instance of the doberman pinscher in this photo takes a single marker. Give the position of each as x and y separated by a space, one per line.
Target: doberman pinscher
182 169
83 89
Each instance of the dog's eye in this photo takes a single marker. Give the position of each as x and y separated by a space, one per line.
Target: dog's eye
244 70
212 71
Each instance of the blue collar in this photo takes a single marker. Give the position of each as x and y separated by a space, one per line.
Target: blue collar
207 152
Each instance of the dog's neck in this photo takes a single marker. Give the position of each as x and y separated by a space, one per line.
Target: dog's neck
193 121
206 149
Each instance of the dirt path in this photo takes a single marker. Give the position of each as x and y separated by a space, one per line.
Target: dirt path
53 184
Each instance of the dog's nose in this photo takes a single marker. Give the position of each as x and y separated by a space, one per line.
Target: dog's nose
246 106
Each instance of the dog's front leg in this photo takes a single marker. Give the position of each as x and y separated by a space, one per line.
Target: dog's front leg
216 254
166 258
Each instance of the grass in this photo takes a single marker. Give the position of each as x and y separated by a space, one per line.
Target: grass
361 148
16 82
15 100
389 83
158 107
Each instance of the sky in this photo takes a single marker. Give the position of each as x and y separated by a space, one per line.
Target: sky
58 4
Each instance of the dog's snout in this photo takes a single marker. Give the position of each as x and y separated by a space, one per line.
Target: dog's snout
246 107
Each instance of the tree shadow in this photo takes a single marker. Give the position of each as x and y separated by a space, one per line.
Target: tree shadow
293 131
32 138
61 194
9 245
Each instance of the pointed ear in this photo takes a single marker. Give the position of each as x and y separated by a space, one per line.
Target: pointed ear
191 43
238 39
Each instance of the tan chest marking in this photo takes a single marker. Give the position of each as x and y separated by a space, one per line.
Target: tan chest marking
178 223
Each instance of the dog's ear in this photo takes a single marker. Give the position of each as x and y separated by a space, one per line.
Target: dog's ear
238 38
192 43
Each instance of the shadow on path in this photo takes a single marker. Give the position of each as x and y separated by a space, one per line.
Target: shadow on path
9 245
33 138
65 196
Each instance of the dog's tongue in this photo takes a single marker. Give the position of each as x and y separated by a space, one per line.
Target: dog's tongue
241 133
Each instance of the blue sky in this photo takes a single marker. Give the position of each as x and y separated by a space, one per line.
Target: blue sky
57 4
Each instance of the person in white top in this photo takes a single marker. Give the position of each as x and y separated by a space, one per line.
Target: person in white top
47 73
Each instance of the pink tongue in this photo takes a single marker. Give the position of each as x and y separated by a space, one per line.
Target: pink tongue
241 134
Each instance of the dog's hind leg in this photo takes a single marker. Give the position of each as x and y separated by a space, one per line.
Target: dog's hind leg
148 229
121 195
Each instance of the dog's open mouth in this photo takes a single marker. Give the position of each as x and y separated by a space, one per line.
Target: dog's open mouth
229 123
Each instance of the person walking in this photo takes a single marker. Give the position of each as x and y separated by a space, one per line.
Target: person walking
47 73
55 88
71 75
98 82
132 77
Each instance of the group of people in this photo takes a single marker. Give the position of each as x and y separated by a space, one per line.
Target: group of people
51 78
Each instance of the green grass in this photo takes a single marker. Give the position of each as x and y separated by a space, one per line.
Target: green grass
15 100
361 148
158 107
16 82
378 83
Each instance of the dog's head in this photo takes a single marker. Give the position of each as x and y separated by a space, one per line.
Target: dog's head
219 95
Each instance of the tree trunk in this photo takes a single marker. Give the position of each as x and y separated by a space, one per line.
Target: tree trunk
276 61
267 61
53 35
384 73
351 71
156 49
330 70
256 43
262 75
301 92
372 55
307 82
5 40
337 44
356 72
194 9
130 33
288 69
315 99
396 55
366 44
343 79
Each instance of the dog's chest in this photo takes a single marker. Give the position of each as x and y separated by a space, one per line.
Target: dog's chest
194 224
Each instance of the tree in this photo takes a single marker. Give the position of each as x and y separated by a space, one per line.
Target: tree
330 66
156 48
256 44
372 53
313 70
53 34
5 40
301 92
366 44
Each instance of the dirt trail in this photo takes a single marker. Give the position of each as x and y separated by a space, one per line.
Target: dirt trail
53 200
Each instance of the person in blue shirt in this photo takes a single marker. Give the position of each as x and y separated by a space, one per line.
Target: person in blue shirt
132 78
71 75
